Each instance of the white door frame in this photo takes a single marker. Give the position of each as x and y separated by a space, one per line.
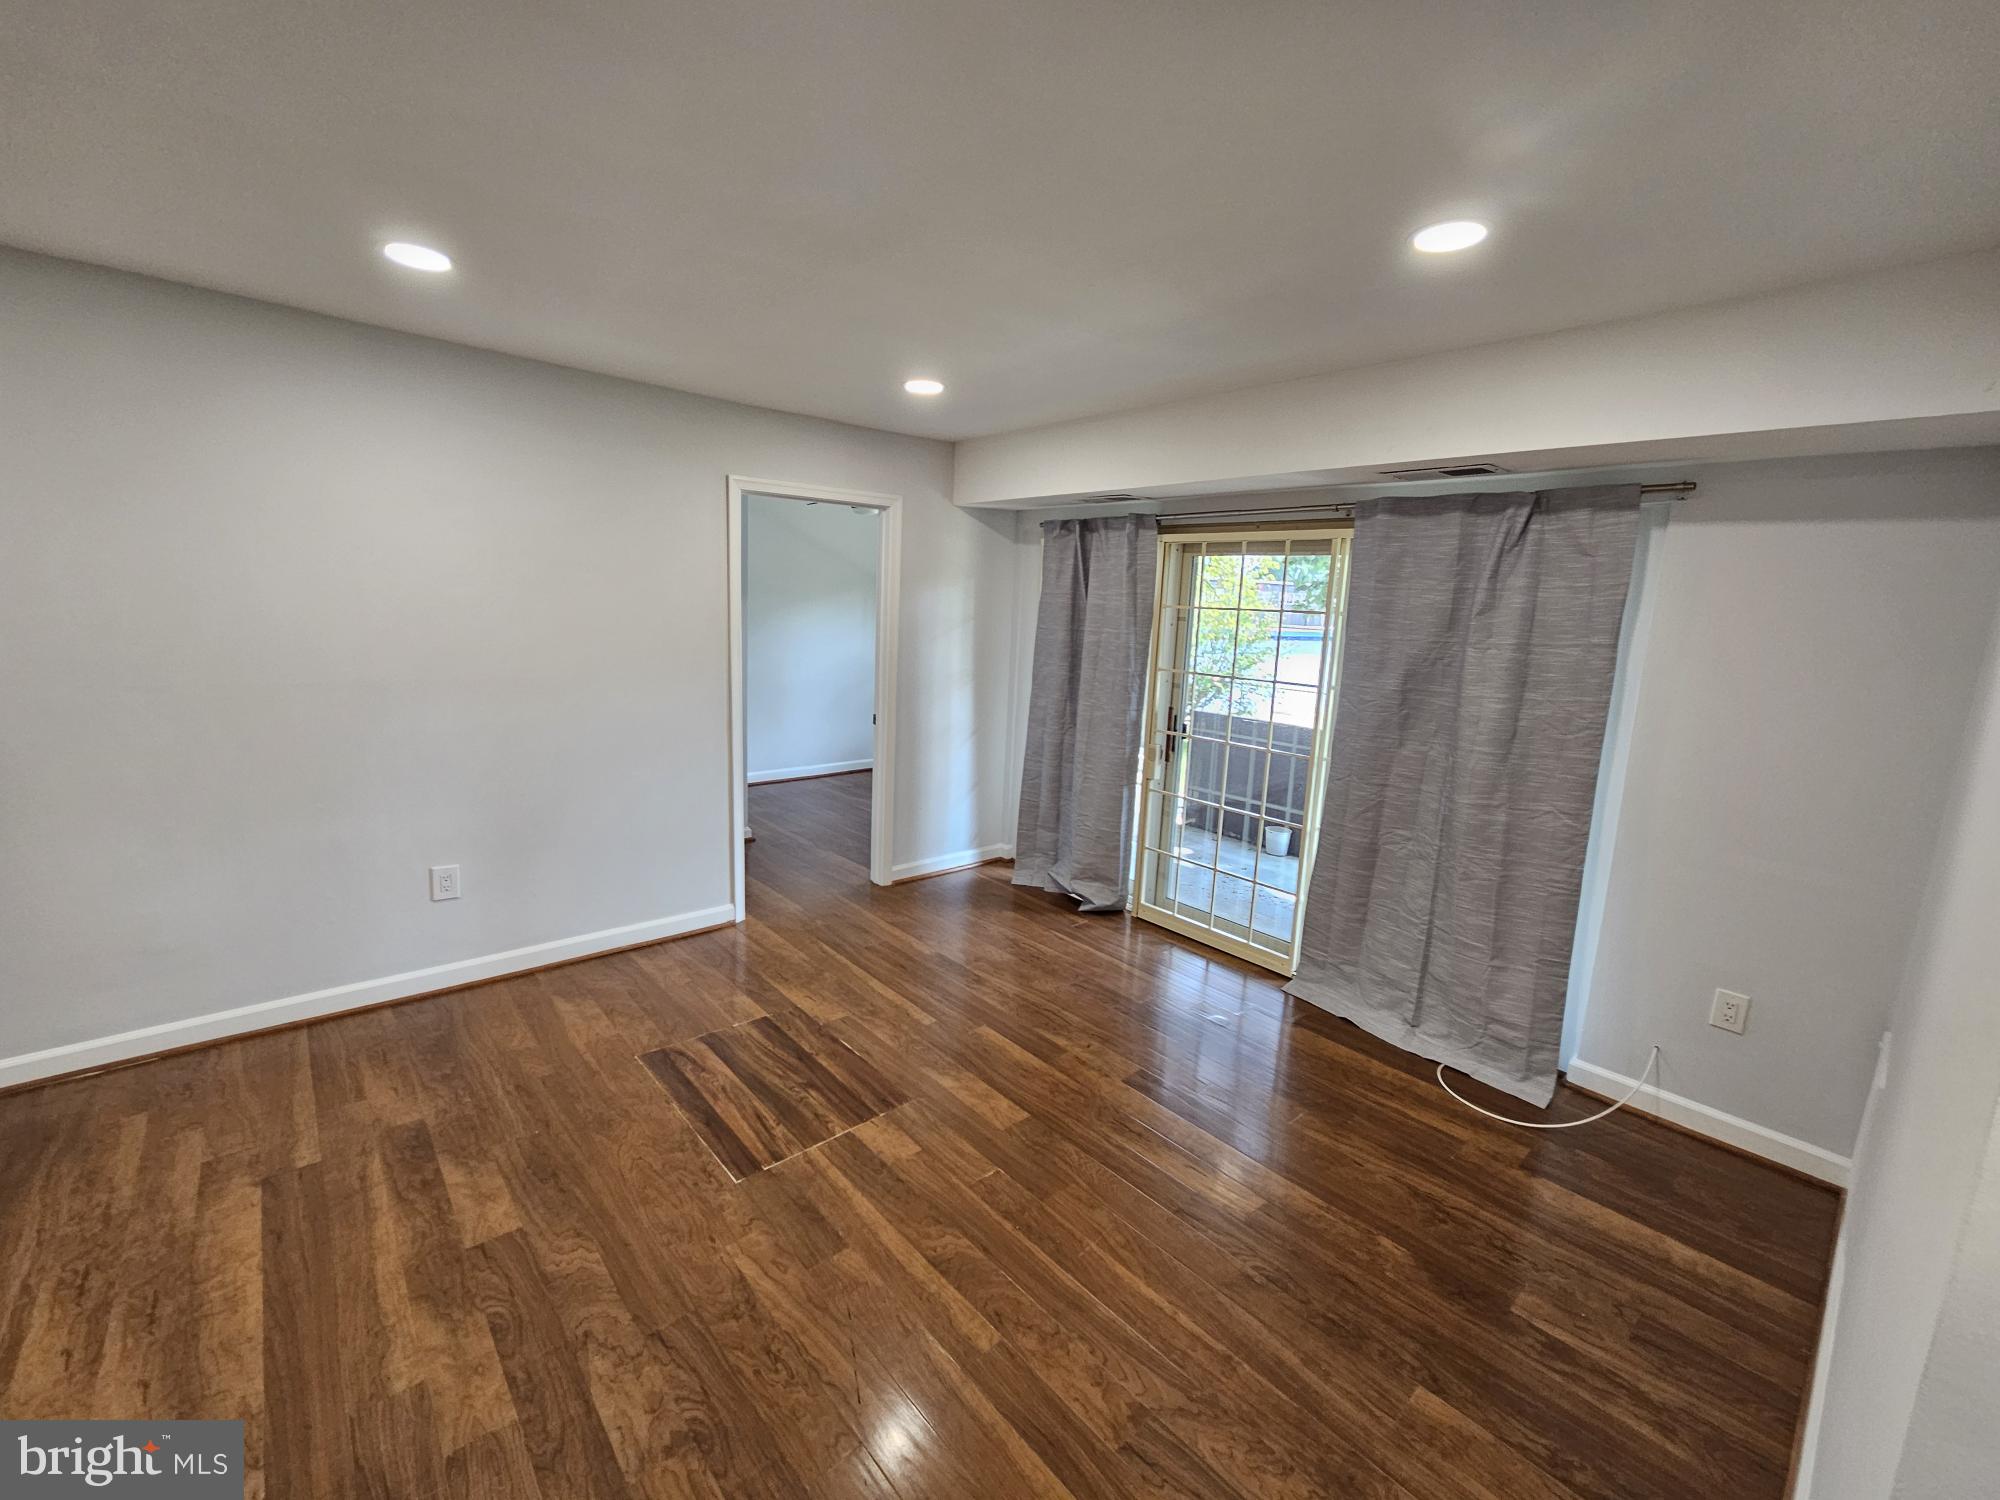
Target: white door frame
888 607
1333 647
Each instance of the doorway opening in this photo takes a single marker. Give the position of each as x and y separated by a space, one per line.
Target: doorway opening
1245 669
813 602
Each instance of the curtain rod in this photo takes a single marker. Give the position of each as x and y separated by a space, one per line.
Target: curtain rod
1344 509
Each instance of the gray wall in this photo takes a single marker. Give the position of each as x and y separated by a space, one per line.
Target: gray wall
1953 1445
1905 1392
293 608
809 597
1817 631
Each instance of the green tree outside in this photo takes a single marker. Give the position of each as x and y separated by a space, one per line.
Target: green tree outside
1237 624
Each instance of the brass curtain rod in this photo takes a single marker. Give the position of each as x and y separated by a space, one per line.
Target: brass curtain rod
1344 509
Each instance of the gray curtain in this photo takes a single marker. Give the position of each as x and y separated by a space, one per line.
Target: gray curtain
1086 708
1481 635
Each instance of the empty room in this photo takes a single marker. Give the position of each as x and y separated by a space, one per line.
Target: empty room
857 749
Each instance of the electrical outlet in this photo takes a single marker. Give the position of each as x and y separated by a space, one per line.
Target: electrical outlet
1730 1011
444 882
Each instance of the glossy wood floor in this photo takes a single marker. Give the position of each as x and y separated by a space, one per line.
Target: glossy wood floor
938 1190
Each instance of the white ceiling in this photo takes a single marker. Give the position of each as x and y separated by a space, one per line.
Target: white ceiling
1059 207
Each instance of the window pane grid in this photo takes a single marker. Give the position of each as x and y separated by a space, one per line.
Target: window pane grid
1190 735
1232 677
1195 863
1169 857
1244 661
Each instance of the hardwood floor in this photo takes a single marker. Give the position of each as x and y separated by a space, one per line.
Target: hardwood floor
935 1190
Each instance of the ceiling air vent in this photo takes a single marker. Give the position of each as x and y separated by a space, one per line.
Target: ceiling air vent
1445 471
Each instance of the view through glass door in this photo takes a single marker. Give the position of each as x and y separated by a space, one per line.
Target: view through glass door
1246 653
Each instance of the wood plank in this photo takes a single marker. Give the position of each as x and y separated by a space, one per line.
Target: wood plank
494 1466
306 1400
559 1424
744 1135
940 1189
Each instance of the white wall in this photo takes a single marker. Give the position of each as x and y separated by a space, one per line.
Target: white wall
1817 630
1899 358
809 595
1953 1446
1905 1397
1635 632
293 608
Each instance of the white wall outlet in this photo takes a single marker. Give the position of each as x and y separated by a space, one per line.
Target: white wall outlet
444 882
1730 1011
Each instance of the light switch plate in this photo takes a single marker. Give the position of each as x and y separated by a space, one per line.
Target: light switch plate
1730 1011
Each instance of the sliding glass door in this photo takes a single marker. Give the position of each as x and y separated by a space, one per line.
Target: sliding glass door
1246 652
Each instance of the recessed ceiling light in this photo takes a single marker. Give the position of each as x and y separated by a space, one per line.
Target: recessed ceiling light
924 387
1458 234
417 257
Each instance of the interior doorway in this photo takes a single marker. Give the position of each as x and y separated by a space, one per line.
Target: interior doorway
1245 669
813 603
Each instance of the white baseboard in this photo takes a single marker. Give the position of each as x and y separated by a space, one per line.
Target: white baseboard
800 773
102 1051
1702 1119
964 859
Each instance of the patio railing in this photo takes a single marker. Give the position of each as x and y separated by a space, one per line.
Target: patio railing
1233 777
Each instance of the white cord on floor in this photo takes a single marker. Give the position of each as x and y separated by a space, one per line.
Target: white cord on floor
1558 1125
